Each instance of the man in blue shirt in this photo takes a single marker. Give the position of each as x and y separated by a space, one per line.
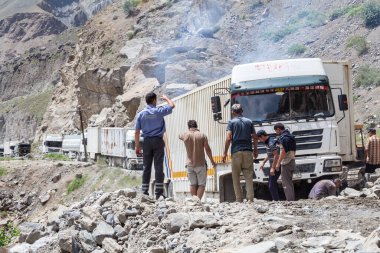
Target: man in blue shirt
272 155
241 132
151 122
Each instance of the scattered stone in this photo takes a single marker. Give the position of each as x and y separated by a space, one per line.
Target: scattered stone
102 230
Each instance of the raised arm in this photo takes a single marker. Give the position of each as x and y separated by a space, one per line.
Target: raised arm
168 100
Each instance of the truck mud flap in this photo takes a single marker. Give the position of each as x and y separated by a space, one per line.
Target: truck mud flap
226 188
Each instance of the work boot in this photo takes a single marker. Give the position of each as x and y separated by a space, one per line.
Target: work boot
158 196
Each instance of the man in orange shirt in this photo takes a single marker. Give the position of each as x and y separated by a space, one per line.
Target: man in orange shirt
196 144
372 151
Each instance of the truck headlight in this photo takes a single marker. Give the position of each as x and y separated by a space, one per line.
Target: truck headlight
332 165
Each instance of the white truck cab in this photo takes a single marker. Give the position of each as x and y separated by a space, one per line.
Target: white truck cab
52 143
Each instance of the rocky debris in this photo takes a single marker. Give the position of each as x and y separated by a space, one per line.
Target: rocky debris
126 221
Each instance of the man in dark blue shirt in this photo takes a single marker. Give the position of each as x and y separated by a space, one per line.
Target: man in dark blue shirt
272 155
151 122
286 160
241 132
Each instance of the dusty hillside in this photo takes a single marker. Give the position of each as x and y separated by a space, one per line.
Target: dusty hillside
174 46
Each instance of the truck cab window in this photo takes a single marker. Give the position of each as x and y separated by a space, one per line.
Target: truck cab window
286 103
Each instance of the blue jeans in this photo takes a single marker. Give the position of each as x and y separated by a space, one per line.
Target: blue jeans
272 185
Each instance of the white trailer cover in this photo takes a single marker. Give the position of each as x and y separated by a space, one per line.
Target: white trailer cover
195 105
71 143
113 141
93 136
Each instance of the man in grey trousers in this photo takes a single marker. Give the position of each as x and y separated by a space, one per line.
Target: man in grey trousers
286 160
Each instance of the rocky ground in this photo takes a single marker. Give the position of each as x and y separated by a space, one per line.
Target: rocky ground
120 219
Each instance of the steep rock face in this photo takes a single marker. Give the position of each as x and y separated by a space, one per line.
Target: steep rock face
99 88
26 26
73 12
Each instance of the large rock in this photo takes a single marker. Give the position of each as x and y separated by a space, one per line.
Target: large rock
262 247
176 221
65 240
27 228
44 244
102 230
133 48
111 246
372 243
352 193
319 241
20 248
203 219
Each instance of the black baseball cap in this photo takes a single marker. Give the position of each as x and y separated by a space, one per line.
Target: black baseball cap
261 133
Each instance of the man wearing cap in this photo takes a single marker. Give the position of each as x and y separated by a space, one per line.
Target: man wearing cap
272 155
196 144
286 160
151 122
241 132
325 188
372 151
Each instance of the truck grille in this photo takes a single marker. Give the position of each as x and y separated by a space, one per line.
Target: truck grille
306 139
309 139
300 168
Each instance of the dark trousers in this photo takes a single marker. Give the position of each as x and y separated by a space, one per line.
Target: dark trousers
273 186
287 179
153 150
370 168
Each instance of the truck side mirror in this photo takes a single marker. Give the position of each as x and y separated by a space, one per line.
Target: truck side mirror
215 104
343 103
216 108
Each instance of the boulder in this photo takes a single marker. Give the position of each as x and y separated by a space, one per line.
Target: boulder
102 230
262 247
203 219
176 221
65 240
371 244
111 246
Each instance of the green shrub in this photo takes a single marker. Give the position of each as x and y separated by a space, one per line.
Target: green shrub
371 13
130 34
297 49
301 20
256 3
354 10
7 233
359 43
57 157
351 10
75 184
368 76
3 171
129 6
337 13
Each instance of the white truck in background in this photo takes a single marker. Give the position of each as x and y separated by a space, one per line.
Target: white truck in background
52 143
71 145
313 99
116 145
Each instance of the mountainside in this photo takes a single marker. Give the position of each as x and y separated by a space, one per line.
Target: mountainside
170 47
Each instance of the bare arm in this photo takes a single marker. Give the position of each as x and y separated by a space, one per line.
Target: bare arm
263 163
168 100
209 154
137 141
255 140
280 158
227 145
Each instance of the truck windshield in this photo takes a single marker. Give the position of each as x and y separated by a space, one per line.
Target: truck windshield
280 104
54 144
